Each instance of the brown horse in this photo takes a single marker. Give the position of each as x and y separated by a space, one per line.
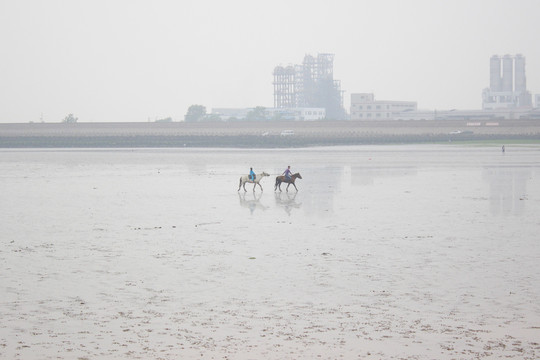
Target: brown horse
282 179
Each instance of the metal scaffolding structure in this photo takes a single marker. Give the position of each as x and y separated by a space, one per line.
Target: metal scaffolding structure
284 87
310 84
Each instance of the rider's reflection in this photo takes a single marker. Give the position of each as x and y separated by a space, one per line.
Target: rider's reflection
251 204
287 201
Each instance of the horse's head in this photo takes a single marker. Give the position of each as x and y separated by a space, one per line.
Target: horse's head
298 175
265 174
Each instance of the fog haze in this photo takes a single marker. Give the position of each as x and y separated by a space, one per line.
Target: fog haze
144 60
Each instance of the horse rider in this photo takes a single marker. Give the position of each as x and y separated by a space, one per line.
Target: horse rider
288 173
251 174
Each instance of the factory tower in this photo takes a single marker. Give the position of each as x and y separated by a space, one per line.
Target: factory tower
507 84
309 85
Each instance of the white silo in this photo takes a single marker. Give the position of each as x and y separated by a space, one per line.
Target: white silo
520 80
495 81
508 73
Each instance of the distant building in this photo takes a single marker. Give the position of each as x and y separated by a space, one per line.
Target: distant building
507 98
231 113
365 107
296 114
309 85
305 114
507 84
470 115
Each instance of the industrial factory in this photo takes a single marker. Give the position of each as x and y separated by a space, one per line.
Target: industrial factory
309 85
507 84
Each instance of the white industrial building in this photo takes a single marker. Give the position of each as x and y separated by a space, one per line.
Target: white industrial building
506 98
507 84
230 113
365 107
306 114
298 114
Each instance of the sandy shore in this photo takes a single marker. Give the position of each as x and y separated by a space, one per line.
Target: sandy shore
385 252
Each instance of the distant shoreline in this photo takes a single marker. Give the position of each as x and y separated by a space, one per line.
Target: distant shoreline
266 134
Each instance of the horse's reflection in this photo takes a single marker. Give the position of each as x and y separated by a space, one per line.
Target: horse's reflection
251 204
287 201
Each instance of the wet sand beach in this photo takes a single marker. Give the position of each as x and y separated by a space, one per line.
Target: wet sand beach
385 252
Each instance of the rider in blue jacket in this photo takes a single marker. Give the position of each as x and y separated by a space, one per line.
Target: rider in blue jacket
251 175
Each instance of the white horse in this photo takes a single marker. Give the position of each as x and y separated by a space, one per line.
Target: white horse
245 179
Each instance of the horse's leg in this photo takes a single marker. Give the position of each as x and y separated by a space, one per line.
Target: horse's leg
244 185
295 187
289 184
240 184
254 186
260 186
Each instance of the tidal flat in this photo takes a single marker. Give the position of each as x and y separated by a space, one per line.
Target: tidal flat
385 252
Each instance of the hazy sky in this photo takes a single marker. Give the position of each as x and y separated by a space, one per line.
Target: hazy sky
126 60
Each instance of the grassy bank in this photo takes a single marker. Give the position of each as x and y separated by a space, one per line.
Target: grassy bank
247 141
499 142
264 134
